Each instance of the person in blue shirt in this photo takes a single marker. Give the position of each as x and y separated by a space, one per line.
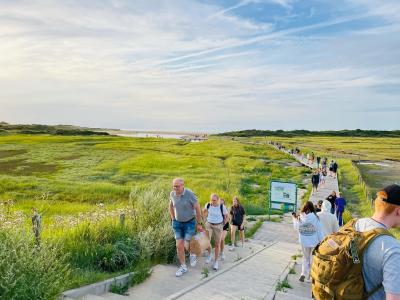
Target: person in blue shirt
340 204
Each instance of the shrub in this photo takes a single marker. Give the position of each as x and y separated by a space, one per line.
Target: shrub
120 255
28 272
105 246
154 226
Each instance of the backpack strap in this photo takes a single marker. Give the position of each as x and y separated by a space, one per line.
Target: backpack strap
221 207
373 291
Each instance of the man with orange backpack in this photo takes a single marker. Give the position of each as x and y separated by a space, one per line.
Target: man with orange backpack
361 261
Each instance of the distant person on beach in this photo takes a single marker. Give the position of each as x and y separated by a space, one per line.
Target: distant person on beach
315 182
340 204
332 198
184 209
238 217
310 234
225 230
328 221
216 216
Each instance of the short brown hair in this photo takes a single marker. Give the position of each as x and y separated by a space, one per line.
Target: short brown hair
383 206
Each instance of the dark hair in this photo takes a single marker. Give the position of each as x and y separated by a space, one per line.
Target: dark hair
308 207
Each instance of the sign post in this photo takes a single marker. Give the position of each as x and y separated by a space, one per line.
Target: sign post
282 196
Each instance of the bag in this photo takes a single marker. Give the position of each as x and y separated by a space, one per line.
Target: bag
199 243
336 270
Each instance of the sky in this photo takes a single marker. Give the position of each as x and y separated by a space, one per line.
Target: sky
207 65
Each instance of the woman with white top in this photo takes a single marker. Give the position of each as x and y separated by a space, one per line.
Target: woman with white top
328 221
310 234
216 216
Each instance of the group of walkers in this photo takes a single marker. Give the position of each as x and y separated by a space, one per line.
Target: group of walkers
334 272
337 206
187 216
319 175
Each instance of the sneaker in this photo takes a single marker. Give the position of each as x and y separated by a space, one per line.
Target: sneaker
215 265
301 279
208 259
232 247
193 260
222 256
308 280
182 270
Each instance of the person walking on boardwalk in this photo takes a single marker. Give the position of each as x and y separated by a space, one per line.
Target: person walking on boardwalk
225 230
310 234
340 204
332 198
365 266
216 215
324 164
238 217
328 221
331 168
184 209
322 177
318 161
334 169
315 182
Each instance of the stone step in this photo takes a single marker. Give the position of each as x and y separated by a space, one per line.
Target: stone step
254 278
286 296
113 296
92 297
163 283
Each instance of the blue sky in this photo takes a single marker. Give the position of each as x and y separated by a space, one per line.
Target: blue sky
201 65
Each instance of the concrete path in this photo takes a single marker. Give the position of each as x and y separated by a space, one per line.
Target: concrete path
251 272
324 190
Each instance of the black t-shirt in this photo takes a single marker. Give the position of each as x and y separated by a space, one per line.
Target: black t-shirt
315 178
237 215
331 199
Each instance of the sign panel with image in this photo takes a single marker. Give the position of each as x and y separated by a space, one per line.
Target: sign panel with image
283 196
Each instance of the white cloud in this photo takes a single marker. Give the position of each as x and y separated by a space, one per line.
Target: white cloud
153 63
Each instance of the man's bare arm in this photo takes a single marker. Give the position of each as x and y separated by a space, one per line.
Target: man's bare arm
171 210
198 213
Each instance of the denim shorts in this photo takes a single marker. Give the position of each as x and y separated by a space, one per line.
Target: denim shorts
184 230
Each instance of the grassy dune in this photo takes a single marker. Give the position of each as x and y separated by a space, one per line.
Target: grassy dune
55 172
82 185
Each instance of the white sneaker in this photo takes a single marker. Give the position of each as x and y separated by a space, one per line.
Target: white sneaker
193 260
215 265
182 270
222 256
208 259
232 247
